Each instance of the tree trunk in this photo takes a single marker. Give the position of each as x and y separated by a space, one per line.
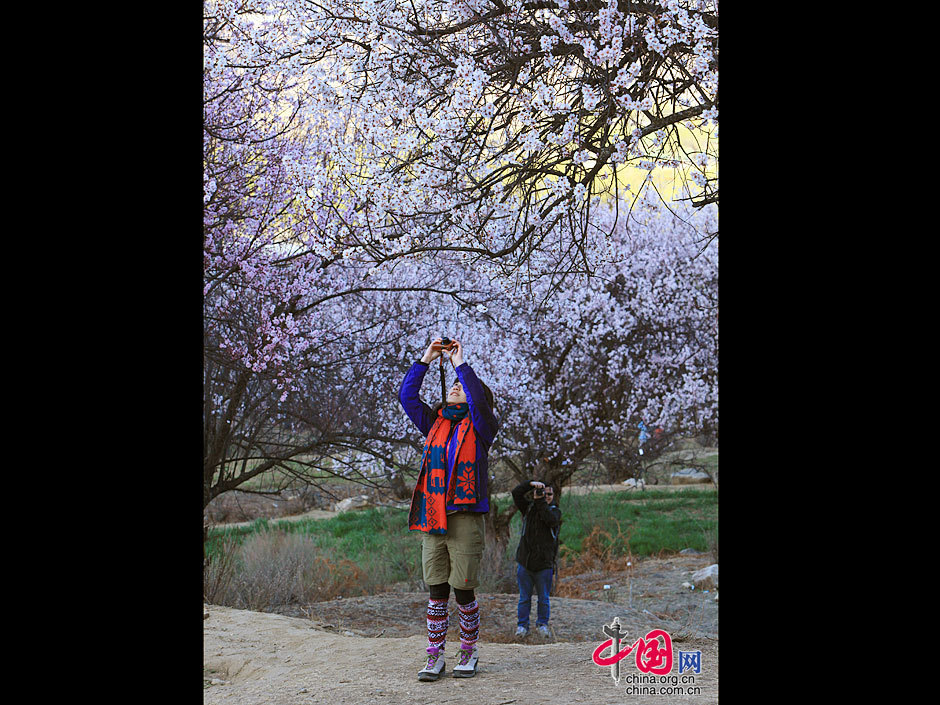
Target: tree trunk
556 475
397 482
495 561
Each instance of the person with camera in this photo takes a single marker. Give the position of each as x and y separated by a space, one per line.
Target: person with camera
535 556
450 498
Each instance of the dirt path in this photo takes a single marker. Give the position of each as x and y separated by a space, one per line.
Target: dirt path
366 648
256 658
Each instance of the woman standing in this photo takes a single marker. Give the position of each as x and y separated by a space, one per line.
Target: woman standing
449 500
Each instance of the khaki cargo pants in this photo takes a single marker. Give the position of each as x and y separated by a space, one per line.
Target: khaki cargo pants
454 557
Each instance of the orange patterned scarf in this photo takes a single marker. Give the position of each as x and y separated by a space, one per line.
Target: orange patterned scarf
430 500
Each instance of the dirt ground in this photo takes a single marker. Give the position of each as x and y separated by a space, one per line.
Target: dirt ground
252 658
370 648
647 596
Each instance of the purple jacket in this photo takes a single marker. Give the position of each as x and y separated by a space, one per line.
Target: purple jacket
485 425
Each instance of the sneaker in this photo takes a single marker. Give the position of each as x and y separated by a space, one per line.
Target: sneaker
543 630
466 663
435 666
521 632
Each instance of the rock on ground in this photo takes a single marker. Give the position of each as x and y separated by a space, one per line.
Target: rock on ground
689 476
706 578
359 502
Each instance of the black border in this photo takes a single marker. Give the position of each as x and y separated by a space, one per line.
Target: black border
155 196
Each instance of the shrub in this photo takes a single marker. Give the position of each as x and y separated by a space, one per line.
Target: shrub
219 569
275 568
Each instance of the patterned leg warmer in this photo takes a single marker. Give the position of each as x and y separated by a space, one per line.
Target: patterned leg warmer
469 624
437 623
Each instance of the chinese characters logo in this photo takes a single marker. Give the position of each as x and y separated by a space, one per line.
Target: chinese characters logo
652 653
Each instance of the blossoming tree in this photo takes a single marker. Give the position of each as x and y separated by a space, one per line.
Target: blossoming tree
378 173
289 329
476 126
636 341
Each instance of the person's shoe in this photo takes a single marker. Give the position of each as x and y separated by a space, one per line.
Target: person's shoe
521 632
543 631
435 666
466 663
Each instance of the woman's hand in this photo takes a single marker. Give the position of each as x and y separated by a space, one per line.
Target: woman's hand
433 352
456 354
537 484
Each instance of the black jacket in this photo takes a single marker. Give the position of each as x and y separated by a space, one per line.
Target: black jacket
540 524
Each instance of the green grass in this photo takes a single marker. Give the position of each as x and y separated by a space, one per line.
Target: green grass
650 523
642 523
350 534
368 552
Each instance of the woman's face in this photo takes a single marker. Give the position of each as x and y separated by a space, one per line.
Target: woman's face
456 394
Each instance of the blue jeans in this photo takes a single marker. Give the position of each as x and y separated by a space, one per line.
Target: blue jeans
541 580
